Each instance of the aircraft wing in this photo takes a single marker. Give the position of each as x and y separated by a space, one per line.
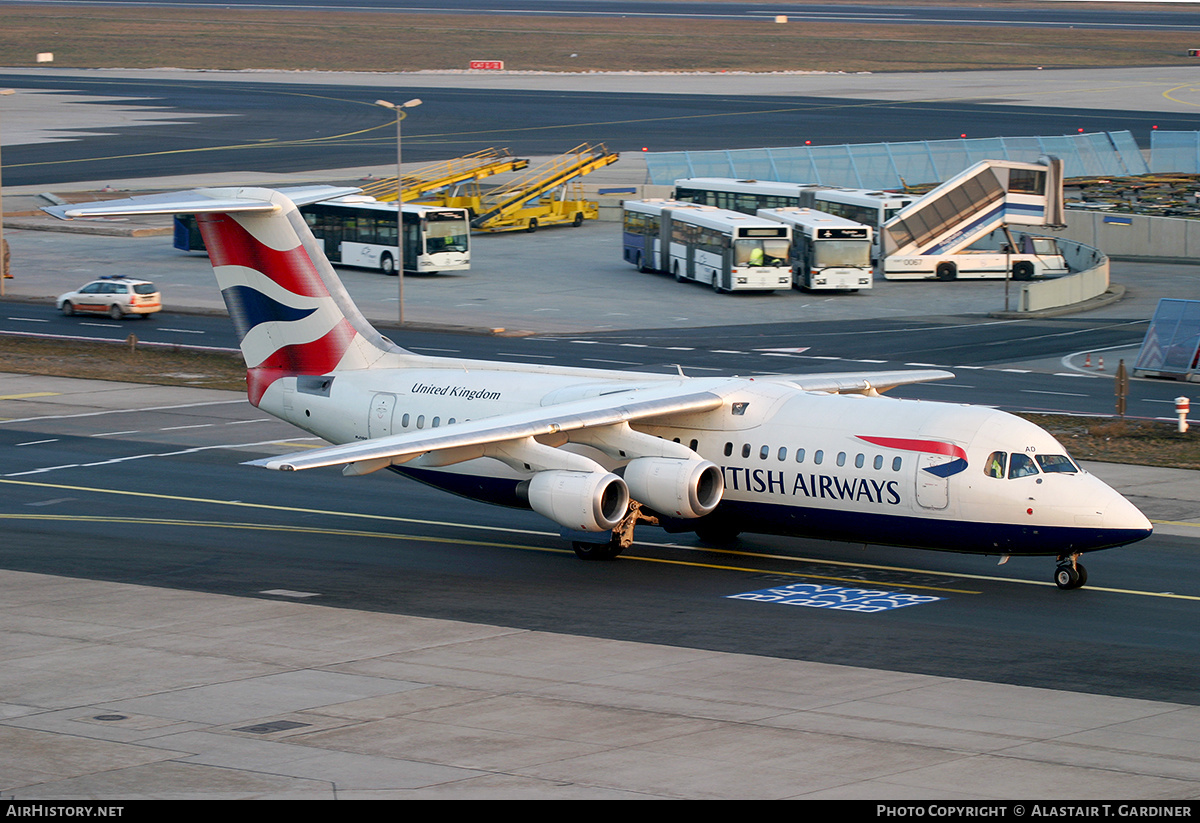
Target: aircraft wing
860 382
197 201
606 410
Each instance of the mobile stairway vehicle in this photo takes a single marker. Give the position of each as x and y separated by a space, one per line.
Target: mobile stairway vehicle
950 232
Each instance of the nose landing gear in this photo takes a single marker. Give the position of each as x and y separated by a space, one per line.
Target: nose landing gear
1070 573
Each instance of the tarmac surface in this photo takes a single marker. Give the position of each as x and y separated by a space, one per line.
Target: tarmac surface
114 691
111 691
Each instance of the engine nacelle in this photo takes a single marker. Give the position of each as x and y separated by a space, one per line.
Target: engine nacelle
675 487
585 501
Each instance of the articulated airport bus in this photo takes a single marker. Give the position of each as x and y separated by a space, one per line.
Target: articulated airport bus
870 207
727 250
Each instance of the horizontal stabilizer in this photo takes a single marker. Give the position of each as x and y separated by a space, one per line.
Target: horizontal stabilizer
200 201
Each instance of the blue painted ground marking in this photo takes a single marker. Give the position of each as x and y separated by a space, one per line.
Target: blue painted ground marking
835 597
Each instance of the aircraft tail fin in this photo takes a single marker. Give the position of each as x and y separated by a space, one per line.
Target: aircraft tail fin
292 314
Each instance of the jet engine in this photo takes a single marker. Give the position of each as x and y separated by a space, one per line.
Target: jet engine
586 501
675 487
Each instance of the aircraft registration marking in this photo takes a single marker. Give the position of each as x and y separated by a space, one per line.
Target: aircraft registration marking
838 598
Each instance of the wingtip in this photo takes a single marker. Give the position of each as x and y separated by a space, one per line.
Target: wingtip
269 463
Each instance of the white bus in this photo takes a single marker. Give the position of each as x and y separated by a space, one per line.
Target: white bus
727 250
828 252
867 206
360 231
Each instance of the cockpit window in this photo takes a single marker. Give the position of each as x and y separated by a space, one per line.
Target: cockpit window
994 467
1021 466
1056 463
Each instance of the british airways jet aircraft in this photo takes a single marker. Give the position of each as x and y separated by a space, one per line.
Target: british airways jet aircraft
597 452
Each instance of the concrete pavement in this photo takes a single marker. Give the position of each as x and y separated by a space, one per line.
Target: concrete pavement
114 692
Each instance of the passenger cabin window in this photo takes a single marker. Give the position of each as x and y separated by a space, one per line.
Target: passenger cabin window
1021 465
818 456
764 452
994 467
1056 463
799 455
746 450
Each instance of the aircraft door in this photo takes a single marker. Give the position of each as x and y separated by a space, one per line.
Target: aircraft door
331 232
933 491
379 421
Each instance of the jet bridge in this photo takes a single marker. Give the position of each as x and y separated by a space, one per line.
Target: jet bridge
447 175
949 232
544 195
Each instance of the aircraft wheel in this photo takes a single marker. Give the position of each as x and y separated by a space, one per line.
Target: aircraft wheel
597 551
1067 576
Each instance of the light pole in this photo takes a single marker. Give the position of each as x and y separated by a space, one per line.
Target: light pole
400 115
3 248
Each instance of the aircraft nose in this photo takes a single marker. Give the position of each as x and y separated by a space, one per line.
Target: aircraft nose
1122 521
1121 514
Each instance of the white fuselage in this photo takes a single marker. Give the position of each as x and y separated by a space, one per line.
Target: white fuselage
847 467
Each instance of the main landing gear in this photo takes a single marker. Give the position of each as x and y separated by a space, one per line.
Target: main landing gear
1070 573
622 536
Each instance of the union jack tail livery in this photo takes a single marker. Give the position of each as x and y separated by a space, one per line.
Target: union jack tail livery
292 313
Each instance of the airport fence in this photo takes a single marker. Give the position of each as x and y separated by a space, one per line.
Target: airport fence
894 165
1175 151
